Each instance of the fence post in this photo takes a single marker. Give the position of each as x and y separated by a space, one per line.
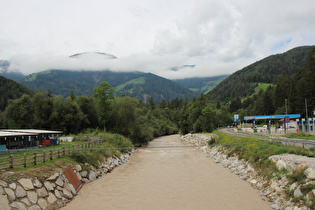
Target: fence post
35 156
51 154
11 161
24 160
44 154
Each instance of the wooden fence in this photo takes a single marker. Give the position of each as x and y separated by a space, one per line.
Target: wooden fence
42 156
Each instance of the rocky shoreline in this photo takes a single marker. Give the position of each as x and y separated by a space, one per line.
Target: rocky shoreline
271 190
56 191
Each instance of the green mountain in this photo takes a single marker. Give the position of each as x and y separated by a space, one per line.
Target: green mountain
137 85
201 84
244 82
10 89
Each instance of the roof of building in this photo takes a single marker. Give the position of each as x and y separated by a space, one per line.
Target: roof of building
7 134
25 132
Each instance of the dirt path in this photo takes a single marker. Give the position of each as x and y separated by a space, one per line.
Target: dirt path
169 178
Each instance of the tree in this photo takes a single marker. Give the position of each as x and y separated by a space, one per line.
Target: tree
87 106
151 104
218 106
72 96
268 107
209 117
162 104
19 113
183 123
43 108
235 105
103 96
73 117
123 114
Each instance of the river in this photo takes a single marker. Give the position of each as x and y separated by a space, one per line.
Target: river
169 178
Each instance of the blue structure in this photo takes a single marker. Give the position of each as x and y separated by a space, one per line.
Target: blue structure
270 117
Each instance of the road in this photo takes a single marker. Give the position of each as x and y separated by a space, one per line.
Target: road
303 142
169 178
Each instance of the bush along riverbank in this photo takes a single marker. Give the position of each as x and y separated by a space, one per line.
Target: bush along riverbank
284 175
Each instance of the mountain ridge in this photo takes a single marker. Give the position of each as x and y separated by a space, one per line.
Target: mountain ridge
135 84
242 83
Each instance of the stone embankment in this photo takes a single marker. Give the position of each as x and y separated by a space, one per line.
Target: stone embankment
273 190
56 191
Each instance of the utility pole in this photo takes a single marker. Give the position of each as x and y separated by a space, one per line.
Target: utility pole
307 121
286 114
246 118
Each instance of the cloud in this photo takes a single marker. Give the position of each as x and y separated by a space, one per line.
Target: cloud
144 62
152 36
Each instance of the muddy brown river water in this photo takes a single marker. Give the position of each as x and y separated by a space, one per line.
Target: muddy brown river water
169 178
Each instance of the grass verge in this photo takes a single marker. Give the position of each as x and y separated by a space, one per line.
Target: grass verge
258 153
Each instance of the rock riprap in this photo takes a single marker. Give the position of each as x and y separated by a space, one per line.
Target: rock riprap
273 190
56 191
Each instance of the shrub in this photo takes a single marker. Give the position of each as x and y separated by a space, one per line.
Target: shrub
297 176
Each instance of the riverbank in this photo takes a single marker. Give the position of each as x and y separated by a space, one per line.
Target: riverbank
55 191
168 175
284 189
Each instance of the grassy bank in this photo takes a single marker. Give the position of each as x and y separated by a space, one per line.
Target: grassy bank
258 153
301 135
43 170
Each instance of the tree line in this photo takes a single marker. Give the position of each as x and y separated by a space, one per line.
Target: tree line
143 122
124 115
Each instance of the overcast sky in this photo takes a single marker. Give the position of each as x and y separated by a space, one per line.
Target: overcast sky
218 36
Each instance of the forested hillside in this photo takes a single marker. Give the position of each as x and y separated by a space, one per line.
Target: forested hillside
243 82
11 90
201 84
288 93
137 85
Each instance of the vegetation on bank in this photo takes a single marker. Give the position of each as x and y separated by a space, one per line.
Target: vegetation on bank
109 140
257 153
93 157
301 135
